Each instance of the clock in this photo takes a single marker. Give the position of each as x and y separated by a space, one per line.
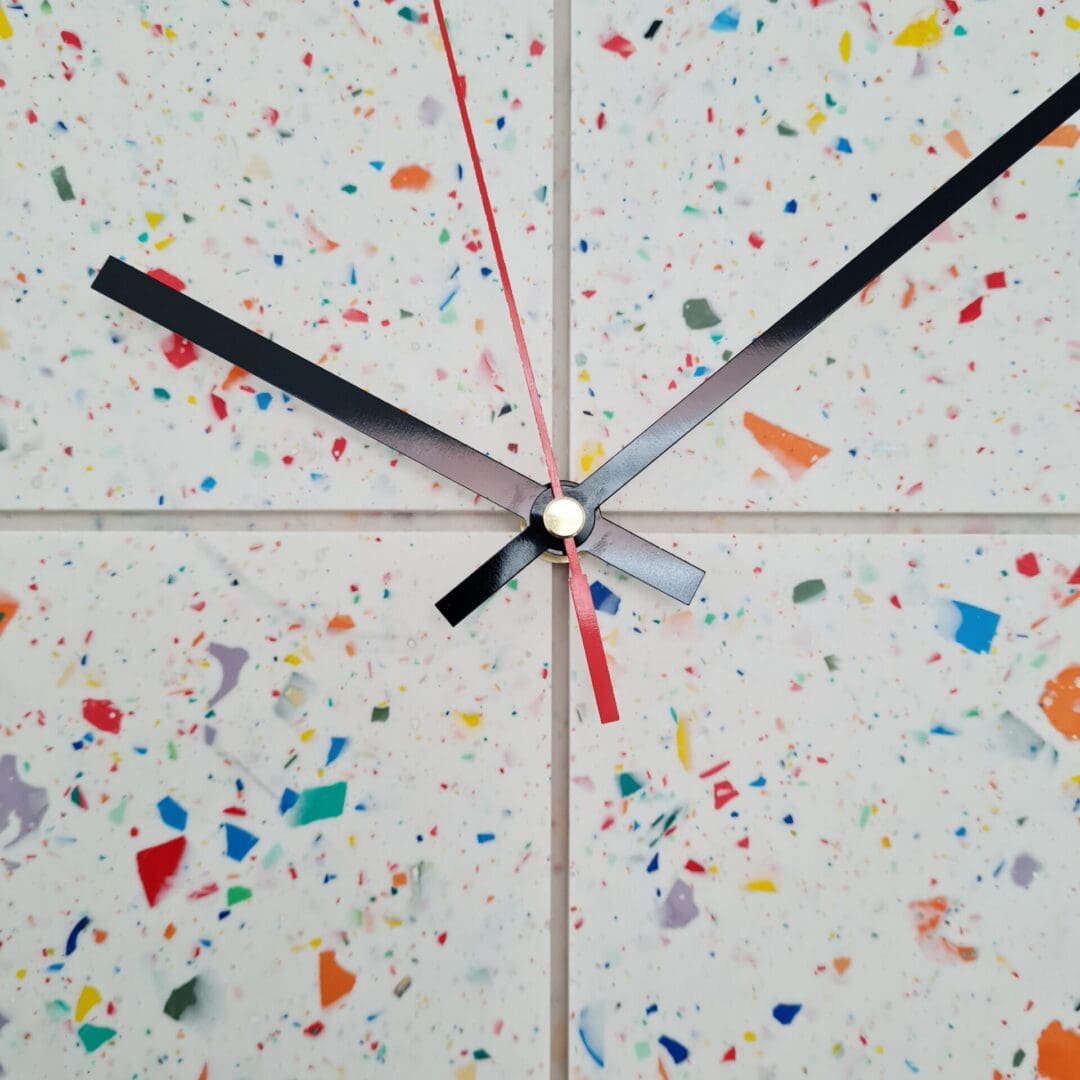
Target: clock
325 329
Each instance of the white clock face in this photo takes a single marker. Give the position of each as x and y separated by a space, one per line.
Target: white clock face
264 811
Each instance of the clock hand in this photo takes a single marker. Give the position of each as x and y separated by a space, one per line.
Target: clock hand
579 586
327 392
331 394
791 328
488 578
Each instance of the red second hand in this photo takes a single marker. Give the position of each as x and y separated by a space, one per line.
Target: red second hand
579 585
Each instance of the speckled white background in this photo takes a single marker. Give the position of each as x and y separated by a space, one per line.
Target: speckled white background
241 130
399 884
874 762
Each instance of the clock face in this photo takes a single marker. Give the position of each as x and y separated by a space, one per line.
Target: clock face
264 811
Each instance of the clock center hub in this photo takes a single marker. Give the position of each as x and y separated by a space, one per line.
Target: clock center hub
564 517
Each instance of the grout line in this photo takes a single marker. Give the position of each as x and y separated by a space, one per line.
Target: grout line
560 822
353 521
813 521
655 522
560 600
560 238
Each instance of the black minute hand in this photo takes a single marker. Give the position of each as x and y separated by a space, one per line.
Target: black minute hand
700 403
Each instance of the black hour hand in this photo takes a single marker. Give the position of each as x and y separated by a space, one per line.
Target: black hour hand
327 392
379 420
